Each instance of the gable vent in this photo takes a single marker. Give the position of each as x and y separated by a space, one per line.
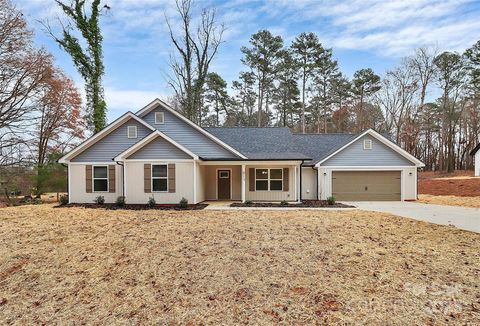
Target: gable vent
132 131
367 144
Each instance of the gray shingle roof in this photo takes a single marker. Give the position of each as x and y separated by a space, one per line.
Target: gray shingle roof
319 146
260 143
280 143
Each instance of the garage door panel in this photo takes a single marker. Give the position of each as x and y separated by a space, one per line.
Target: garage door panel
366 185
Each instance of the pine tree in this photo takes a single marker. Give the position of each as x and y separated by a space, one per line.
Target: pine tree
306 49
262 58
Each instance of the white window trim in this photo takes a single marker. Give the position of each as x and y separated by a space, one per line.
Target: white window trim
152 177
93 178
128 131
367 141
163 118
268 178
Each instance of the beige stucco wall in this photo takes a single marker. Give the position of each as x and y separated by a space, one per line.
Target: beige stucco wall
201 178
309 183
211 181
477 163
271 195
183 184
77 185
408 182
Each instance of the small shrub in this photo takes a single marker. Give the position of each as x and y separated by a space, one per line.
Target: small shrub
183 203
331 200
63 199
284 203
248 202
120 202
100 200
151 202
37 201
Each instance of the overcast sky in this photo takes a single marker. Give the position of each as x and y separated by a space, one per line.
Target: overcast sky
363 34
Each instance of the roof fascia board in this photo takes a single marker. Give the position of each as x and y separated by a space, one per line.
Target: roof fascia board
382 139
475 150
100 135
149 107
157 133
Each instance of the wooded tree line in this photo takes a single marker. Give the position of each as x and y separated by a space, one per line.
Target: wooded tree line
428 104
40 107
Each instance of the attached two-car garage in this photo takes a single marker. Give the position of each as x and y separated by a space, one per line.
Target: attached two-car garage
368 168
366 185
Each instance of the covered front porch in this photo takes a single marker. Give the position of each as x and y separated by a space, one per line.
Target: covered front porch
268 181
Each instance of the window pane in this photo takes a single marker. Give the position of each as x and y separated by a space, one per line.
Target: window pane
261 174
262 184
99 171
276 185
132 131
159 117
159 171
159 184
276 174
100 185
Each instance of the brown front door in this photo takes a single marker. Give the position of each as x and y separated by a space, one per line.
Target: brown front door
223 184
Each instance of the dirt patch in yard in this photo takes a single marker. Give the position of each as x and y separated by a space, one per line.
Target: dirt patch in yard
91 266
458 184
450 200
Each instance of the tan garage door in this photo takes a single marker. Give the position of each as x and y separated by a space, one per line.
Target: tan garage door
366 185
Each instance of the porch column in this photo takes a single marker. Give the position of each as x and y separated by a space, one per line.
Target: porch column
243 183
295 183
300 181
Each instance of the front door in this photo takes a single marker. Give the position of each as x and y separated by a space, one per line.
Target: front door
223 184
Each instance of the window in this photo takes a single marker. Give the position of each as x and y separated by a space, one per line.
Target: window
159 118
100 178
224 174
367 144
160 178
276 179
269 179
132 131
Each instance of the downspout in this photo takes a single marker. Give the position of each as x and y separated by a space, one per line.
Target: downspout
123 177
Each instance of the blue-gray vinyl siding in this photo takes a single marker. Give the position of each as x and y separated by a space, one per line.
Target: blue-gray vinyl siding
379 155
158 149
188 136
113 144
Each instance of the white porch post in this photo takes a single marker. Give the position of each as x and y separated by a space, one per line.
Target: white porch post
295 183
194 181
243 183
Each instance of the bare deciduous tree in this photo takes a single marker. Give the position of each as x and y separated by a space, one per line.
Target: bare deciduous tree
22 70
195 46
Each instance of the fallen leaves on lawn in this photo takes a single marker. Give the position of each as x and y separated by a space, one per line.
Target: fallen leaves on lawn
451 200
91 266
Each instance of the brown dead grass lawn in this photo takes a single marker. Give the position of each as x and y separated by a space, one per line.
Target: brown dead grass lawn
450 200
75 265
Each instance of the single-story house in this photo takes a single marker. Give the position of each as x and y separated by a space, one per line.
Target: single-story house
156 152
476 159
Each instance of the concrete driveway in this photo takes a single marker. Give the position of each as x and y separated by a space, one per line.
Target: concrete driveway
462 217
